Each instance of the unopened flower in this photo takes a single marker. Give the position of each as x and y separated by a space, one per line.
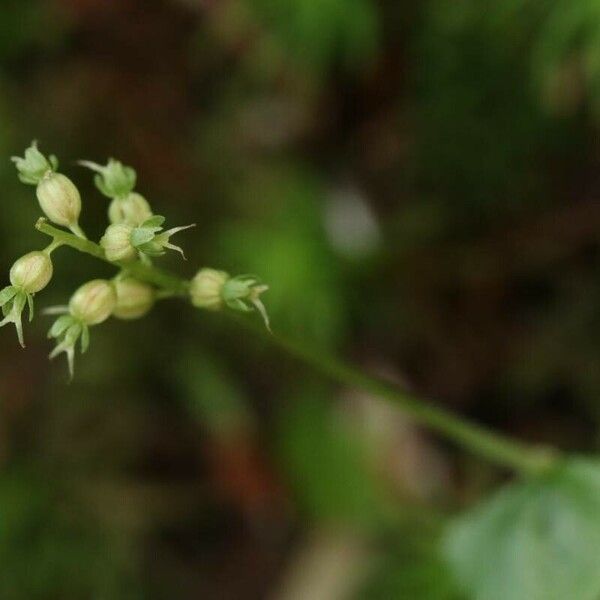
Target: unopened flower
57 195
90 305
206 288
31 273
117 245
114 180
123 242
133 209
211 289
28 275
93 302
134 299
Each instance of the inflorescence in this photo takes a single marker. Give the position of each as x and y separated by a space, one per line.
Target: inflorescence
134 237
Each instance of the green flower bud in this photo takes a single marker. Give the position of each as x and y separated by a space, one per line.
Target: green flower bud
206 288
93 302
28 275
31 273
133 209
117 245
114 180
134 299
59 199
211 289
34 165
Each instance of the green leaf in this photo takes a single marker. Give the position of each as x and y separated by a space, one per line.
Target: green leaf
536 540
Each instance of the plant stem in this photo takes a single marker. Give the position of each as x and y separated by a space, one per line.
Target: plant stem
499 449
147 273
479 440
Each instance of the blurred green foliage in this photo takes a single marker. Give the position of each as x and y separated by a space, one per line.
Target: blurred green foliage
533 540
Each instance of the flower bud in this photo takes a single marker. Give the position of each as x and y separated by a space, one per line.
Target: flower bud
133 209
206 289
134 299
93 302
59 199
117 245
114 179
32 272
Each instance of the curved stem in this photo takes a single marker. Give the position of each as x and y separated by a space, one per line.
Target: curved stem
146 273
479 440
484 442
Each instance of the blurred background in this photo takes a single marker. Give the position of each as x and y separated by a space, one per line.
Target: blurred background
418 183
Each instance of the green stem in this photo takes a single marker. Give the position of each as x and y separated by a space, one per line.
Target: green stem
499 449
146 273
480 440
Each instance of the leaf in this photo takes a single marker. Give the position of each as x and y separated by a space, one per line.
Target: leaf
536 540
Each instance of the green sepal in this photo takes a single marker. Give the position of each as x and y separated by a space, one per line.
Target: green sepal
239 305
152 248
12 310
60 325
154 222
70 329
100 185
33 166
114 180
85 338
30 305
7 294
140 236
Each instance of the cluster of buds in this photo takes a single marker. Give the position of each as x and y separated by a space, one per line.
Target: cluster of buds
134 236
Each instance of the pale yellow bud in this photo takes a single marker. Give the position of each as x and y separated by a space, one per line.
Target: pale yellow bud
32 272
59 199
133 209
117 245
134 299
206 288
93 302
